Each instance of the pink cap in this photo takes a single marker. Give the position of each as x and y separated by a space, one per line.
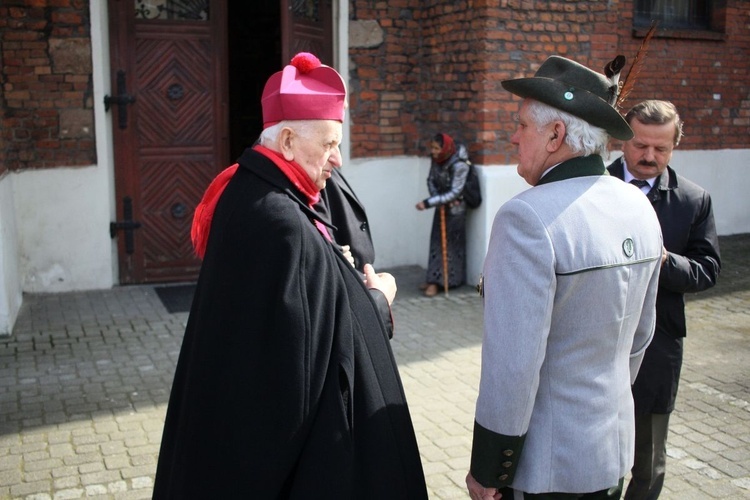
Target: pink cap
304 90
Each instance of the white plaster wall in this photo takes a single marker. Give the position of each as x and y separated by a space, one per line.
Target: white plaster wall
390 187
103 120
62 216
341 62
10 285
499 184
724 174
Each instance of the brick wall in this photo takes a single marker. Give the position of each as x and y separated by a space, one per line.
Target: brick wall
46 107
440 64
436 66
705 75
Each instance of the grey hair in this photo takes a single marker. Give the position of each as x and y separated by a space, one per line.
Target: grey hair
581 136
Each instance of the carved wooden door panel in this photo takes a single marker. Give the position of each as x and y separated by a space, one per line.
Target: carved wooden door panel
307 26
168 58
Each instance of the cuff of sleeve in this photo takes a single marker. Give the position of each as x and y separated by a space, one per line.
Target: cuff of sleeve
426 202
494 457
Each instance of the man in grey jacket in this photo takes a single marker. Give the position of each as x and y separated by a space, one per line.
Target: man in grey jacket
569 288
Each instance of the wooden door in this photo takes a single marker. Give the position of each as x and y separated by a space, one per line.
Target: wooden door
169 110
307 26
170 113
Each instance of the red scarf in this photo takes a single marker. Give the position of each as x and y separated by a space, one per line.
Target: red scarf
204 212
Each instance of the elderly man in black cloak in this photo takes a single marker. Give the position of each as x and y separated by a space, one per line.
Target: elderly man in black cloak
286 385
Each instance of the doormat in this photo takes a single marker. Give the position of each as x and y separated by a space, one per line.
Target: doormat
176 298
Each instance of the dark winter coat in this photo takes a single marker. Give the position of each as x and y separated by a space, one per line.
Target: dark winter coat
341 207
685 213
286 386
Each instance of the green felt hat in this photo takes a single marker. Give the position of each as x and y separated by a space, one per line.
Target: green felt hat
575 89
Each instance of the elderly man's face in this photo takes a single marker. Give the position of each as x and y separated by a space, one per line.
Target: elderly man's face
532 146
649 152
317 150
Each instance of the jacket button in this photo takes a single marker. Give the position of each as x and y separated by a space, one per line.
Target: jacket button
507 464
363 227
508 453
502 477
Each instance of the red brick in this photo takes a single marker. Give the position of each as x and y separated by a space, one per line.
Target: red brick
452 61
33 95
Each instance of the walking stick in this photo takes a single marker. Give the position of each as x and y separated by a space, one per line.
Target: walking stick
444 242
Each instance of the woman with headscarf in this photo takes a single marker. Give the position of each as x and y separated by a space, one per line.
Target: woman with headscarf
445 183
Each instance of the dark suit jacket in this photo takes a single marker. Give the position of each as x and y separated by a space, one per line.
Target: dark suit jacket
341 207
687 222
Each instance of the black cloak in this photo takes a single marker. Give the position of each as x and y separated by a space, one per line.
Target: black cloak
340 206
286 385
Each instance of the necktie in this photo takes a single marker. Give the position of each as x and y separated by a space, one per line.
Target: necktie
639 183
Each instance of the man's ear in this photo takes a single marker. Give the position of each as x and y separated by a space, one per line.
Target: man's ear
556 137
286 139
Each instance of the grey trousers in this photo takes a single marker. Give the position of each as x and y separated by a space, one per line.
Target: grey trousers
650 457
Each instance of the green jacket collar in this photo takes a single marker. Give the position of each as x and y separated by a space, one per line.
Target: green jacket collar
580 166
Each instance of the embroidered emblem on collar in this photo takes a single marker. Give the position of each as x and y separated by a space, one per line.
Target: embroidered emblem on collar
628 247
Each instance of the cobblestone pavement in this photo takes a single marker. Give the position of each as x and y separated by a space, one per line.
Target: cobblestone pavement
84 382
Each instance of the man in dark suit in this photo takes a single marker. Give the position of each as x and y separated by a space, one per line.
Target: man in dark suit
690 263
340 206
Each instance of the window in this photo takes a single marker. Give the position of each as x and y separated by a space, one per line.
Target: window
686 19
674 14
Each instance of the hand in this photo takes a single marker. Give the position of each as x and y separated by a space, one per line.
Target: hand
664 255
347 251
384 282
479 492
420 205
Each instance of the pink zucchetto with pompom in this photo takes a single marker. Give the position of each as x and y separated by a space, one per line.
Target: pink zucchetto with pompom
304 90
